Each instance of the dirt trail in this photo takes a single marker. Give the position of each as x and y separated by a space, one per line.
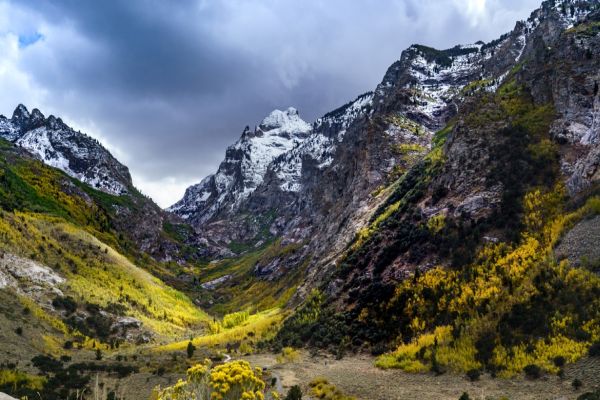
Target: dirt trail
356 376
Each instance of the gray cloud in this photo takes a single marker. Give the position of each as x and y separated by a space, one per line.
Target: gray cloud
168 85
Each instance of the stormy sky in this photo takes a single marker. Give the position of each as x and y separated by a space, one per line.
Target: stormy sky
168 85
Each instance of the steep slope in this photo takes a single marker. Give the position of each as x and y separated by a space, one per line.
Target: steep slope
458 262
72 284
321 192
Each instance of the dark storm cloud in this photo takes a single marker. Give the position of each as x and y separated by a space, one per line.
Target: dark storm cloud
169 84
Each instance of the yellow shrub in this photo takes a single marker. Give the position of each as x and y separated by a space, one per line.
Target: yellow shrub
234 380
322 389
288 354
506 280
20 380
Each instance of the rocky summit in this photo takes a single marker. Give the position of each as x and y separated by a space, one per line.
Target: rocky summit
60 146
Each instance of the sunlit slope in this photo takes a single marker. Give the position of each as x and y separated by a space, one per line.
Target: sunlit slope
64 227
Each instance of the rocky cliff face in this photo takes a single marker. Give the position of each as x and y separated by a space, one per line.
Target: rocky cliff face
60 146
243 168
530 125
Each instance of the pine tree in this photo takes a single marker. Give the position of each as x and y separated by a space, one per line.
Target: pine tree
190 349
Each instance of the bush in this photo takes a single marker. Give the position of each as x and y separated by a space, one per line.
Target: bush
473 374
231 381
594 350
590 396
288 354
190 349
295 393
322 389
464 396
533 371
19 331
577 384
65 303
559 361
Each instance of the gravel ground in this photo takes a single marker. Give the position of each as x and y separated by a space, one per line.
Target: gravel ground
581 242
356 376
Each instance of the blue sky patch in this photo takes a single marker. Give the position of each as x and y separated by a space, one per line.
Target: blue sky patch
29 39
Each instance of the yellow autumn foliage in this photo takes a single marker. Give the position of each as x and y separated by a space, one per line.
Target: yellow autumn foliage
235 380
503 277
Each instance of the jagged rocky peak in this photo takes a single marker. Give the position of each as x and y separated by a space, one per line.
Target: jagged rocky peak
20 114
286 122
284 159
244 166
569 12
59 146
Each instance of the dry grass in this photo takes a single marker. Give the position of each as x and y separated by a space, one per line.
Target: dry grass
357 376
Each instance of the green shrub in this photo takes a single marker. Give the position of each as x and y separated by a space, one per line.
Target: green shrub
532 371
190 349
590 396
559 361
295 393
474 374
594 350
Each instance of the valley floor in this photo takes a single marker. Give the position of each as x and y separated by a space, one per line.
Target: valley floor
356 375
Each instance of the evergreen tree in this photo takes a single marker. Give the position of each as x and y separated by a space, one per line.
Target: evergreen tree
190 349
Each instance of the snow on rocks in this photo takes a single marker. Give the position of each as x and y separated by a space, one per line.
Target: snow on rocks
244 166
59 146
319 146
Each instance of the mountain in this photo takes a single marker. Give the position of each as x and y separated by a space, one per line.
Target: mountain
447 221
137 217
351 153
77 277
244 167
60 146
463 263
444 161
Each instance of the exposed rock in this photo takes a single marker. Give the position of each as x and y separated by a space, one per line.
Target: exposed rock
29 278
581 245
210 285
125 323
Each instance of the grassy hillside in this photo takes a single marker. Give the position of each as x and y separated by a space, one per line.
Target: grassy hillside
71 275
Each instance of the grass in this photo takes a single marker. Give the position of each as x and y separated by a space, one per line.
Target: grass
259 326
246 291
98 274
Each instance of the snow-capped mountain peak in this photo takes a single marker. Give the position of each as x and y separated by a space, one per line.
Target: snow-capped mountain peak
57 145
287 121
245 165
